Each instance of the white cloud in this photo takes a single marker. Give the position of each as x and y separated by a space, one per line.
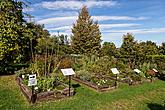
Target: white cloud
28 9
60 28
58 21
71 19
137 31
107 26
75 5
102 26
104 18
58 14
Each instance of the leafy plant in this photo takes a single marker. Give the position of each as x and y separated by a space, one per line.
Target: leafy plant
83 75
45 84
23 71
38 68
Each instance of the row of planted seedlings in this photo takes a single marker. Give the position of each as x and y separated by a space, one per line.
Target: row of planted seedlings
102 74
51 83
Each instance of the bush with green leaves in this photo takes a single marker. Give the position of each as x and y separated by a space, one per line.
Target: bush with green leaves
84 75
102 65
46 84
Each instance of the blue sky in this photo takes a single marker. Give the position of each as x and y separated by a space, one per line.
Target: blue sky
145 19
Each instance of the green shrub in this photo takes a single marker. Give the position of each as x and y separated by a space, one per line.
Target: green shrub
84 75
45 84
136 77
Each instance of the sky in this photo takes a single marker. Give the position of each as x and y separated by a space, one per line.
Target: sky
145 19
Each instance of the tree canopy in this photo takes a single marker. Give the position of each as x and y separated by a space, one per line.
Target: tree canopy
11 32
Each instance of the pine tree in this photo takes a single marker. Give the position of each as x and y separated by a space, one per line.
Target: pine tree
86 36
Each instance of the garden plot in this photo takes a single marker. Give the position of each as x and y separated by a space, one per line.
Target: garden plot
59 91
99 85
96 73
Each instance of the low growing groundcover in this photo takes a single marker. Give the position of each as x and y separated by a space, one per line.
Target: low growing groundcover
148 96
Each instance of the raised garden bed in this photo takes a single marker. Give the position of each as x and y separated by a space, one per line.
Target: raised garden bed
43 96
127 81
93 86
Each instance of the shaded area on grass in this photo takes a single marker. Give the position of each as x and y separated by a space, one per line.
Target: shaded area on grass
155 106
75 85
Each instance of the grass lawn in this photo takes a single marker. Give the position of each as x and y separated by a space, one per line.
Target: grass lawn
149 96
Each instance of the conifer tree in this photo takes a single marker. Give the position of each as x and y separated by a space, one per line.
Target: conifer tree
86 36
108 49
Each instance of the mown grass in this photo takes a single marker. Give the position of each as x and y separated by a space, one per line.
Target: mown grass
148 96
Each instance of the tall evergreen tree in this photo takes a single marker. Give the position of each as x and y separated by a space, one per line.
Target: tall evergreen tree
131 50
86 36
108 49
149 48
127 47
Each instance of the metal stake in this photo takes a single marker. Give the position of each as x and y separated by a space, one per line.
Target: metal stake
69 84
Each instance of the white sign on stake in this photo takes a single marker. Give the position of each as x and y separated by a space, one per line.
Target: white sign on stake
137 70
155 70
114 71
32 80
67 71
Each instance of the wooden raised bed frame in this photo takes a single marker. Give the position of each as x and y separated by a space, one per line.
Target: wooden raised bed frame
50 95
93 86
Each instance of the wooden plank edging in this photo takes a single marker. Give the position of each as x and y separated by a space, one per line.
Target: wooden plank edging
95 87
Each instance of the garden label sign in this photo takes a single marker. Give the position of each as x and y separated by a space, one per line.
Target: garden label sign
67 71
137 70
155 70
114 71
32 80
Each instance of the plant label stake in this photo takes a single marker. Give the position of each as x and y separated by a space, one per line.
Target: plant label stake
32 82
68 72
116 72
69 84
137 70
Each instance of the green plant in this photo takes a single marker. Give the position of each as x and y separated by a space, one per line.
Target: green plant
23 71
83 75
136 77
144 68
45 84
38 68
102 65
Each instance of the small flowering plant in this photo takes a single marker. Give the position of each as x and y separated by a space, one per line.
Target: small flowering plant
105 83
